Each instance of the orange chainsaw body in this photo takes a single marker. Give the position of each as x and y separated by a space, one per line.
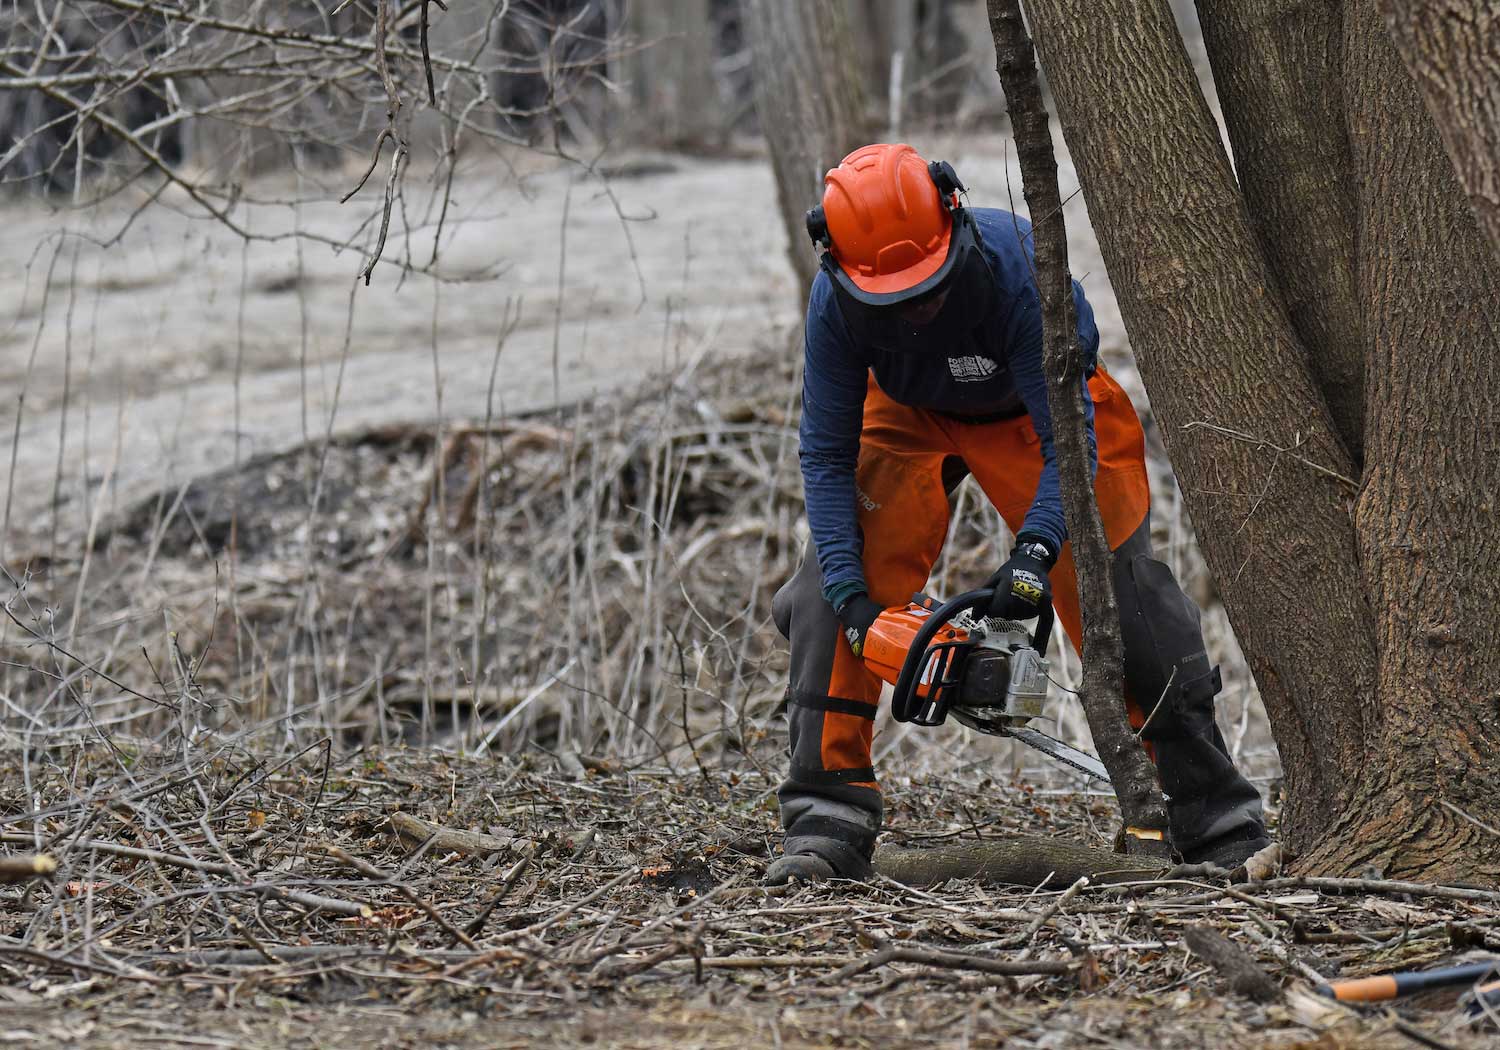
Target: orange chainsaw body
891 636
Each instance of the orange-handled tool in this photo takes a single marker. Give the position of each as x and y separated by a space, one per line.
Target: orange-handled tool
1394 985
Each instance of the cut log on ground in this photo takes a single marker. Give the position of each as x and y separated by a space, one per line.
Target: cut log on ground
1020 861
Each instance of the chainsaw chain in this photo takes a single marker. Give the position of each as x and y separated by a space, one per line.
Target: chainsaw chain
1057 749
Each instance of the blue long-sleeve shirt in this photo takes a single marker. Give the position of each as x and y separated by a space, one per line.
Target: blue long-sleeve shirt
999 369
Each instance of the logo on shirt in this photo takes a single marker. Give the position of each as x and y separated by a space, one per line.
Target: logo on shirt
865 501
972 369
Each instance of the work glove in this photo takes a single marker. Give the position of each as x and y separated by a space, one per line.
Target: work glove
1021 586
857 613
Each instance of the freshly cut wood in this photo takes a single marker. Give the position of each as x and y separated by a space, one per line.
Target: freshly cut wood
1024 860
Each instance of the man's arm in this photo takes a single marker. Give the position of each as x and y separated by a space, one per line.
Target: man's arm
833 397
1044 521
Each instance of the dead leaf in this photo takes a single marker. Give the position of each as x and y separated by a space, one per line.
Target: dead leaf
78 889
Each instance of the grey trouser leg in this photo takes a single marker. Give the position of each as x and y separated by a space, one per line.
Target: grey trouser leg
1168 673
833 812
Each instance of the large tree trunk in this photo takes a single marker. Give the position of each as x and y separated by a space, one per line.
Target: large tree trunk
1229 381
1100 692
1428 523
1276 66
1453 49
810 103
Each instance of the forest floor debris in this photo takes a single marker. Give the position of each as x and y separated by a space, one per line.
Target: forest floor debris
294 900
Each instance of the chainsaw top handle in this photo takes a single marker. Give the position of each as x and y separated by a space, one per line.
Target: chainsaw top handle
906 704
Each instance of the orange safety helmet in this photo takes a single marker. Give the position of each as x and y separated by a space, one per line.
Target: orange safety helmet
893 234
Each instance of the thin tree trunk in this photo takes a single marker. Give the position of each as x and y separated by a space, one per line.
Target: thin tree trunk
811 106
1229 381
675 101
1277 68
1428 522
1102 688
1452 48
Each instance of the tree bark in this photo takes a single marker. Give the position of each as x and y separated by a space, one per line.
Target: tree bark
1265 476
1277 67
1428 525
810 103
1452 48
1102 690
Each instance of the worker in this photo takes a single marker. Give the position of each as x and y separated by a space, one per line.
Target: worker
923 366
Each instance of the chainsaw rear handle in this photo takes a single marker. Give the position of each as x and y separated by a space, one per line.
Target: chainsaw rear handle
906 704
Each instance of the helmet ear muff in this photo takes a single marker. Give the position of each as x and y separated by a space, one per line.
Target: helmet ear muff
817 227
948 184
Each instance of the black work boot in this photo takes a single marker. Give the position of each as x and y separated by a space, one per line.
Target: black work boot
825 839
1214 811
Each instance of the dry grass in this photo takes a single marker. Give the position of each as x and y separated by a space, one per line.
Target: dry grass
597 580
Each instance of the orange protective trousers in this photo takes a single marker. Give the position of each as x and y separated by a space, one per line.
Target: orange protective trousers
904 516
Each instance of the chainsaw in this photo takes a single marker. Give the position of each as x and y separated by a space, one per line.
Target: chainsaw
944 658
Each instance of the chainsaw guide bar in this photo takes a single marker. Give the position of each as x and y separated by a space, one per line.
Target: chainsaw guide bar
1065 753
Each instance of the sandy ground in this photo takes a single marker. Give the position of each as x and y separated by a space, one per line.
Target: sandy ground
182 349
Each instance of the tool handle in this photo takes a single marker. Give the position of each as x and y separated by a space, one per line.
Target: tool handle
1395 985
906 704
1041 635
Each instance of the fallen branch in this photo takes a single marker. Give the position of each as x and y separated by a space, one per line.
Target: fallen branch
476 926
1382 886
1232 962
317 902
30 866
137 853
16 949
476 843
608 975
280 953
1022 860
1024 938
364 867
887 953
